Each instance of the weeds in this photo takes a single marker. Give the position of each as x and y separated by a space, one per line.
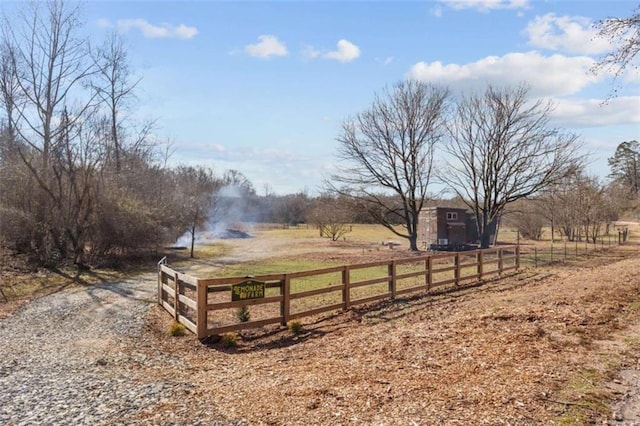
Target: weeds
295 327
229 340
176 329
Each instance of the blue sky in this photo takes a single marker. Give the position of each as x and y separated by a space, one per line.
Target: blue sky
262 87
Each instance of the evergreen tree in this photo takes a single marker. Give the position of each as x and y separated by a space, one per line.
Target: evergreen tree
625 165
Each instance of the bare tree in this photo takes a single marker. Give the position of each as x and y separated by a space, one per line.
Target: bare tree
332 215
501 150
197 190
388 150
48 62
9 90
239 182
75 165
624 33
49 58
291 209
115 87
526 216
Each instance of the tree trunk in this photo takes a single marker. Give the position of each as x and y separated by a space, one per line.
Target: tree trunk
485 239
413 241
193 238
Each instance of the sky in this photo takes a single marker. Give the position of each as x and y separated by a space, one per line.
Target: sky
262 87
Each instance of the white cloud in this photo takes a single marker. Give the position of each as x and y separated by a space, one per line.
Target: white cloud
593 112
546 75
574 34
163 30
346 52
486 5
268 46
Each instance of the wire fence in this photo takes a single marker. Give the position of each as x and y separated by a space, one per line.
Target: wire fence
544 253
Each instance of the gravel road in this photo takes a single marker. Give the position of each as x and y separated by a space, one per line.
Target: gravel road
66 359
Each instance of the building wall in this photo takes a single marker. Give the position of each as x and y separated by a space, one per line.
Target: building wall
443 225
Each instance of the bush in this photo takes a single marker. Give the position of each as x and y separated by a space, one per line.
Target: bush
229 340
295 327
176 329
243 314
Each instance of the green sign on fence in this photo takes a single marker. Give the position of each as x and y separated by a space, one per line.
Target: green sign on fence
248 289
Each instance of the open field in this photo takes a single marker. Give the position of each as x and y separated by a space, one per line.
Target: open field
541 347
557 344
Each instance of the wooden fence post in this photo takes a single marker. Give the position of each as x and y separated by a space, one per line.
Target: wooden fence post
479 260
176 296
201 314
161 262
500 262
285 305
517 257
392 278
456 272
159 284
429 275
346 296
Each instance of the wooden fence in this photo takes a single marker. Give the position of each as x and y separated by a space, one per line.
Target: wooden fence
209 307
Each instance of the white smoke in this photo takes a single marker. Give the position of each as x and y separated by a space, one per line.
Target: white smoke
226 213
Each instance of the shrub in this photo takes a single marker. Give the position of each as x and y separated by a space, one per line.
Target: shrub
176 329
229 340
243 314
295 327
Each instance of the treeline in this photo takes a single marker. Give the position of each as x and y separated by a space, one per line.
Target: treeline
83 179
582 207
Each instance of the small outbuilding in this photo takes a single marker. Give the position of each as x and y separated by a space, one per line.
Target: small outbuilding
448 228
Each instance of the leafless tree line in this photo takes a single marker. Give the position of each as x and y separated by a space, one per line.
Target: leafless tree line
579 208
80 179
497 146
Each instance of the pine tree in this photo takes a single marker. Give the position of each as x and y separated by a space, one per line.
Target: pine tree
625 165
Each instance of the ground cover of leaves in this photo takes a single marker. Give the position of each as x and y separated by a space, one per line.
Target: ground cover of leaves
539 347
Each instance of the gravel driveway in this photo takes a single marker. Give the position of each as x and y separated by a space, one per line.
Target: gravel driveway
66 359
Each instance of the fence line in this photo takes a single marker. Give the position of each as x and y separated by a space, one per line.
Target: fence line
208 306
561 251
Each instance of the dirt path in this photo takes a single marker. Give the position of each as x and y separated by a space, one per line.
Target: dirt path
73 357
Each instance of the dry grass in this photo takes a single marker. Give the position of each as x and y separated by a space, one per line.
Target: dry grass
20 281
537 348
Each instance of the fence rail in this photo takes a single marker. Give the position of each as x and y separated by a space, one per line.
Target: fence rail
206 306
